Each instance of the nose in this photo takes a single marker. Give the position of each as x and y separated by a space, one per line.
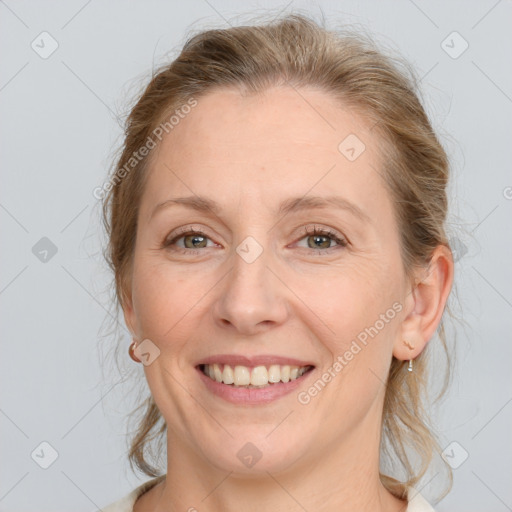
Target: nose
252 299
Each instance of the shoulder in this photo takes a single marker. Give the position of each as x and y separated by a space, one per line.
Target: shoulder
417 503
126 503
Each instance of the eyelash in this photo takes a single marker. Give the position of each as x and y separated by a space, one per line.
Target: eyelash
315 232
327 233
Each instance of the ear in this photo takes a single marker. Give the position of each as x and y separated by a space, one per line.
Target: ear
129 313
425 304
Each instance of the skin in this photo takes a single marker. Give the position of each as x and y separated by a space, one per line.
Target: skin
306 301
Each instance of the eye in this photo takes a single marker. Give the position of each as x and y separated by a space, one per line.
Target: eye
321 238
192 239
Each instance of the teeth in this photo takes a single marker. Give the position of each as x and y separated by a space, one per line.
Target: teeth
259 376
217 373
274 373
242 376
227 375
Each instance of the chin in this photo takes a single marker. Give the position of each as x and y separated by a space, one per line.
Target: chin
255 452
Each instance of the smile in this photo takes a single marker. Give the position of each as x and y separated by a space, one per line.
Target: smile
252 385
253 377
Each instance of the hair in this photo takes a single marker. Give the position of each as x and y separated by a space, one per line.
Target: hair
295 51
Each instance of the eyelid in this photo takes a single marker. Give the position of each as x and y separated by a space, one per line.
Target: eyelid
182 232
306 231
340 239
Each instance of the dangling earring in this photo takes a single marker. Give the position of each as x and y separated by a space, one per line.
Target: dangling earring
410 347
131 351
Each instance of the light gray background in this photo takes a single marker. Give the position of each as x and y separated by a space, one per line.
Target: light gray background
58 133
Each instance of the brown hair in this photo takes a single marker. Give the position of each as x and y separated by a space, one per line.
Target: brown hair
295 50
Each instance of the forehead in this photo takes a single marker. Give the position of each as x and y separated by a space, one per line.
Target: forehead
279 119
274 144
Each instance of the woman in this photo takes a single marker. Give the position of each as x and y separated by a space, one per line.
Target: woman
276 231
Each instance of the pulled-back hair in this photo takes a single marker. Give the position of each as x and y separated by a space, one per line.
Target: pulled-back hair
294 50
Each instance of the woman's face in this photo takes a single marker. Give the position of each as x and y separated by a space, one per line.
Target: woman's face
255 282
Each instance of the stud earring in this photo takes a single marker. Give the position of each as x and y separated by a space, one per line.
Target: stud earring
131 351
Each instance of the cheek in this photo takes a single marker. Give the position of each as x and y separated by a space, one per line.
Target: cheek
364 322
360 307
163 298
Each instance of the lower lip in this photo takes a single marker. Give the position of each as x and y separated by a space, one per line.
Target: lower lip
252 396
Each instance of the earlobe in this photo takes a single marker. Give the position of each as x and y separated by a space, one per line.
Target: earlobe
425 304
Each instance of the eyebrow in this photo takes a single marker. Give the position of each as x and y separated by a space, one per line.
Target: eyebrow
294 204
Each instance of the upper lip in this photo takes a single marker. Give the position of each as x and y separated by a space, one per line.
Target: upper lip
252 361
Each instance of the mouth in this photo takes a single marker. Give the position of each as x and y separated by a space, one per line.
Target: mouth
253 377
